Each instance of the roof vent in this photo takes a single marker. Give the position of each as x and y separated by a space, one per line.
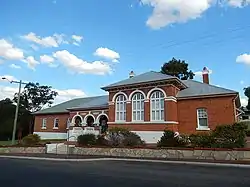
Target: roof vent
131 74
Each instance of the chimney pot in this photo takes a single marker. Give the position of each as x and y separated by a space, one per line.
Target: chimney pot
205 75
131 74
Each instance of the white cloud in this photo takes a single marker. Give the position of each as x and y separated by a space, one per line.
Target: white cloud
78 65
77 38
48 41
47 59
244 101
7 78
9 52
167 12
63 95
244 59
199 73
107 54
14 66
31 62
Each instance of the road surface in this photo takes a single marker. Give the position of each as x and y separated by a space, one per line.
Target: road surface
35 173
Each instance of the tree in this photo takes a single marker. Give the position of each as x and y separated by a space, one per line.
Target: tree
247 94
177 68
34 97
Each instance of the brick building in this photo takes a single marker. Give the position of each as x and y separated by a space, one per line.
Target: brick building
146 104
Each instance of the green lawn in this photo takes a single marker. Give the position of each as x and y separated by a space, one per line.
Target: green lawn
4 143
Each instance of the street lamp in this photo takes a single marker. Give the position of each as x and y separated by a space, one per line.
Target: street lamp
17 107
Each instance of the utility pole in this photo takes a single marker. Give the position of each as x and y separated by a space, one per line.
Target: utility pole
17 107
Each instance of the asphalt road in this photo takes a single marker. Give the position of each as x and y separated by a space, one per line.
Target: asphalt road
30 173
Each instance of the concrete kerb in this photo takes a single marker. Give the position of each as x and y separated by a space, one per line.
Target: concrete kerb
128 160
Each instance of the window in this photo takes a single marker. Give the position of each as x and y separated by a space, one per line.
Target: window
157 106
120 107
44 123
68 123
138 107
202 118
56 123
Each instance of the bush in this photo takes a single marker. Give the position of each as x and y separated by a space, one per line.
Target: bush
122 137
248 133
202 140
86 139
230 136
169 140
31 139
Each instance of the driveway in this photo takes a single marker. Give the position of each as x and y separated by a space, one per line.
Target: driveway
30 173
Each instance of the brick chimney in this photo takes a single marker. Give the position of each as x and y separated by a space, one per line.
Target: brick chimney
131 74
205 75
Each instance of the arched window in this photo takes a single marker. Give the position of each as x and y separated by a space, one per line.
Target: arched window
138 107
157 106
120 108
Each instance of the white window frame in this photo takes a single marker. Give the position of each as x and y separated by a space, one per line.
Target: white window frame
138 98
119 101
56 120
44 123
200 112
153 109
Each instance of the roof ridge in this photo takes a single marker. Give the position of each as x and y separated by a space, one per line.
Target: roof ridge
209 85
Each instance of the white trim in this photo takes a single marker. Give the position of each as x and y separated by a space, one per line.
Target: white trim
119 93
171 98
135 91
51 135
111 103
144 122
156 89
85 118
56 119
198 121
136 110
202 129
73 119
98 117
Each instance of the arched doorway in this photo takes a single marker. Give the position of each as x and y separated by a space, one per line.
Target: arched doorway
90 121
103 123
78 121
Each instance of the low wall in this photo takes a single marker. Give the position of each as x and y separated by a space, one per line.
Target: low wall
207 154
22 150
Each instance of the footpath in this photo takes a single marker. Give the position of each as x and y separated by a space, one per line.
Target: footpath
81 158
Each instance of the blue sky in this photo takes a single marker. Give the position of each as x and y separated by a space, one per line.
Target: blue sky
78 46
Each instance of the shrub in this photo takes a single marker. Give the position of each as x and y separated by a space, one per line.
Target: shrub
31 139
202 140
122 137
230 136
248 133
86 139
169 140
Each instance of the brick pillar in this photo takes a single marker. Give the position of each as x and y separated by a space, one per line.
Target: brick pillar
146 110
171 114
128 112
111 113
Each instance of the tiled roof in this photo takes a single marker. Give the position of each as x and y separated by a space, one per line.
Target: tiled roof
86 102
196 88
142 78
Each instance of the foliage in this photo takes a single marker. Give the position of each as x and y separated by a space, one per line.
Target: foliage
248 133
7 113
35 96
122 137
202 140
230 136
247 94
86 139
169 140
177 68
31 139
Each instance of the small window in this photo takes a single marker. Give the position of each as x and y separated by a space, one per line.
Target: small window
44 123
202 118
68 123
56 123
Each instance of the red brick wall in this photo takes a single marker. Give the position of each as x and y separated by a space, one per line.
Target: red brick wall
146 127
50 123
220 111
